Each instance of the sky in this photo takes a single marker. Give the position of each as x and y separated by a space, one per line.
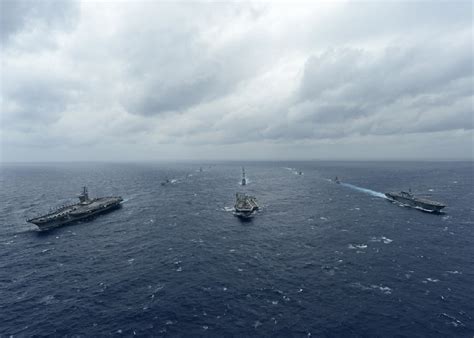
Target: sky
149 80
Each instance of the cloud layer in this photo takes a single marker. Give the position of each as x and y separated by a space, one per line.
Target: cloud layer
150 80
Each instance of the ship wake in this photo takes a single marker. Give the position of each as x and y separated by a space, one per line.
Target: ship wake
365 190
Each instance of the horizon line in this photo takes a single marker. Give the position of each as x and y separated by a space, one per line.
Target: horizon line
245 160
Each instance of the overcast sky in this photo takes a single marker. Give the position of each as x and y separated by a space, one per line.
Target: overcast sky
144 80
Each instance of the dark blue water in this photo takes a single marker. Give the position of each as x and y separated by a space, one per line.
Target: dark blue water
319 259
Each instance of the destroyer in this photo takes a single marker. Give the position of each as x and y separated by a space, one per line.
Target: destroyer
86 208
245 205
408 199
244 179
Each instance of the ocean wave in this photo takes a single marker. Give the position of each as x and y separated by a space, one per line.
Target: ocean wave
381 288
383 239
357 246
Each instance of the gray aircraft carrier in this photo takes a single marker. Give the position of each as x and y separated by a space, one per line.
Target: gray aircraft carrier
245 205
408 199
85 209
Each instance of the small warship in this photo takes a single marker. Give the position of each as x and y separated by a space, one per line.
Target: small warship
245 205
337 180
86 208
244 179
408 199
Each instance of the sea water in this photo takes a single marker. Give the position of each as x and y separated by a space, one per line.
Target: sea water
319 259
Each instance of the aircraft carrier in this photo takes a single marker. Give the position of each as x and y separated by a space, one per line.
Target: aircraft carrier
245 205
408 199
85 209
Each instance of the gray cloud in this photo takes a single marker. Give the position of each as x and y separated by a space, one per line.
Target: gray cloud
209 77
174 65
158 95
38 102
340 86
25 15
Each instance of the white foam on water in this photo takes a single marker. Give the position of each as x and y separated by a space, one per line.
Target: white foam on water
432 280
49 299
455 272
384 289
383 239
357 246
231 209
423 209
364 190
453 320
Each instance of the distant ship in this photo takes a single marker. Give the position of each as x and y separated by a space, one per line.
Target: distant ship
245 205
408 199
86 208
165 182
337 180
244 179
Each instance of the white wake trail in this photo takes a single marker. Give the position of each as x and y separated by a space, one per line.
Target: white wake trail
364 190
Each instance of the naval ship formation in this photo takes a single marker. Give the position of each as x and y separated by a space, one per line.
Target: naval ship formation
86 208
245 206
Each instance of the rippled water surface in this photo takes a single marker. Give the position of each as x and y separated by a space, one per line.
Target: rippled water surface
319 259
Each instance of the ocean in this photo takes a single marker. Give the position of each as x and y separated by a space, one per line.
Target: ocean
319 259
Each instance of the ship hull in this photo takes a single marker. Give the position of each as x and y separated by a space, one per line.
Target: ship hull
416 204
245 214
71 219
